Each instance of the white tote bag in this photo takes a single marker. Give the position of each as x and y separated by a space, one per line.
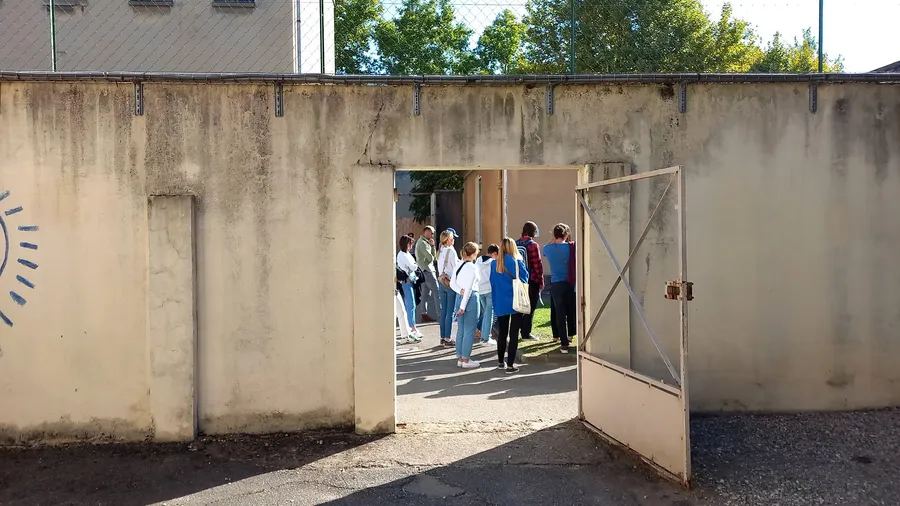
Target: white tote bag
521 302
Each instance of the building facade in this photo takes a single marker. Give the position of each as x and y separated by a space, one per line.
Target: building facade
167 36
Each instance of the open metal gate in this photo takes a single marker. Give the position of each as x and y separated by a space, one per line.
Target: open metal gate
632 409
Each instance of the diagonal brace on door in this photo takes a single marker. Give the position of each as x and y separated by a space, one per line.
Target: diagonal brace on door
631 295
625 267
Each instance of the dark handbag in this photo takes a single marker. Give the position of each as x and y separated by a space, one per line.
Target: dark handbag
401 276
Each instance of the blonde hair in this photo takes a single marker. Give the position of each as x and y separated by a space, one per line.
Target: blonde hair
507 247
470 249
446 236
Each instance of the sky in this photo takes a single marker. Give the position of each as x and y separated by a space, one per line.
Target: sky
863 32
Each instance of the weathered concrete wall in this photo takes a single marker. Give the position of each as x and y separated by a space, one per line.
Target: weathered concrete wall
789 226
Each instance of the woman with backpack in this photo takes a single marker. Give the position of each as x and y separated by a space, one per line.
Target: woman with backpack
406 266
509 321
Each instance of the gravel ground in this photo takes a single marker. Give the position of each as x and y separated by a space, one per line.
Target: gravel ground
844 459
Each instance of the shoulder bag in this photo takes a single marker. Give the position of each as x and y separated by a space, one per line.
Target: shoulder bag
521 303
445 278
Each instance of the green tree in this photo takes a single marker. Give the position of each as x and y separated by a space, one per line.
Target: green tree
499 49
428 182
800 57
354 21
637 36
424 39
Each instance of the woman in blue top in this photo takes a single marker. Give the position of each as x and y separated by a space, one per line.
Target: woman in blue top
562 293
508 320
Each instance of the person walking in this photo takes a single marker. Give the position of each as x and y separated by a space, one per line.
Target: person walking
558 254
465 283
486 320
406 265
447 261
430 308
509 322
532 257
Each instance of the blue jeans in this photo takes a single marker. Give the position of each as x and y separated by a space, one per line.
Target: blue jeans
409 303
465 332
447 299
486 320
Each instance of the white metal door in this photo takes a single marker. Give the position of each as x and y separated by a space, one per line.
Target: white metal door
646 414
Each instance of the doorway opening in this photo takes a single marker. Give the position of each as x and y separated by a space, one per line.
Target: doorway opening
619 379
491 204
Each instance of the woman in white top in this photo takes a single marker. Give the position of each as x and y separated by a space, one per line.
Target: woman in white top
465 282
447 261
407 265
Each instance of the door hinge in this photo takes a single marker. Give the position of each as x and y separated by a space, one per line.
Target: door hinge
674 289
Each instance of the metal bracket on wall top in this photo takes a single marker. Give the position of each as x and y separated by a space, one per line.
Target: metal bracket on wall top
138 99
416 98
279 100
682 98
550 99
813 98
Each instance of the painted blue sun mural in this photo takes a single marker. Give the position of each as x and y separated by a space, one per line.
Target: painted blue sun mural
23 236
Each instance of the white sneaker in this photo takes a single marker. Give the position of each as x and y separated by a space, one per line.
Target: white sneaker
471 364
490 342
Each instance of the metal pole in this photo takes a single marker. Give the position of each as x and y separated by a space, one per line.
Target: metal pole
505 190
53 35
821 30
321 36
572 36
434 210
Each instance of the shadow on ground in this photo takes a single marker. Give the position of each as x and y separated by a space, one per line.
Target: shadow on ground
823 459
144 473
429 368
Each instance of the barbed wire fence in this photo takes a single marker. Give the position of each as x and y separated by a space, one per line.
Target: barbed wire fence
408 37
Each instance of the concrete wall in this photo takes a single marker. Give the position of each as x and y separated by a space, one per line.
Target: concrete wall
790 228
546 197
188 36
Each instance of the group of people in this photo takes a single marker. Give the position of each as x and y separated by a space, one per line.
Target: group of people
476 290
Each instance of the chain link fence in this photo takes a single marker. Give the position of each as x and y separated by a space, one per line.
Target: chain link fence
410 37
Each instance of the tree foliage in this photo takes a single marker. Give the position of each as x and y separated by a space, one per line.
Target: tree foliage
427 182
354 21
800 57
499 49
424 39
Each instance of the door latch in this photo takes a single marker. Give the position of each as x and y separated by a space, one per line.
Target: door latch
674 290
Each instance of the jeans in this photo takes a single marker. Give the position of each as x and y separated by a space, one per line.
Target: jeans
534 291
409 303
400 313
486 321
508 337
448 299
564 303
430 302
465 331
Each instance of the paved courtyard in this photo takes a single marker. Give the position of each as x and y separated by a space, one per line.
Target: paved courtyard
431 389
